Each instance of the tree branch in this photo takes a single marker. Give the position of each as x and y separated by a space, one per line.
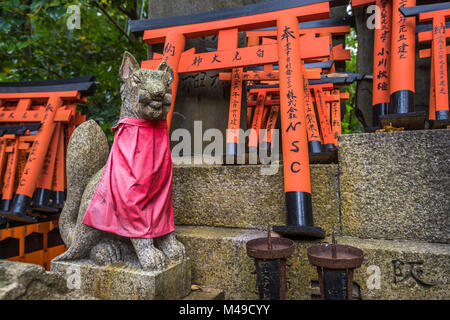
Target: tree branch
43 67
118 27
128 13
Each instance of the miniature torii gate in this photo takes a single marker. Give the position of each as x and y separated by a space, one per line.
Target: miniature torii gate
323 28
226 23
50 103
326 27
320 49
27 251
400 106
310 73
314 137
437 13
329 101
425 36
317 47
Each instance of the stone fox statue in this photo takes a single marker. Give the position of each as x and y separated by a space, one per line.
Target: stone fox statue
119 207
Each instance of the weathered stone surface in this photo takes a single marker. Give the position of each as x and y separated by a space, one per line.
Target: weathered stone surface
24 281
87 153
239 196
396 185
120 282
206 294
408 269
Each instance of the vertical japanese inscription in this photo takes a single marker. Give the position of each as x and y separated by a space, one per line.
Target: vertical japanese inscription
234 116
292 108
402 35
324 118
382 47
440 63
402 56
311 122
336 115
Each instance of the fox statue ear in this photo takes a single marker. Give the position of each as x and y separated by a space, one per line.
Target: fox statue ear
129 65
168 71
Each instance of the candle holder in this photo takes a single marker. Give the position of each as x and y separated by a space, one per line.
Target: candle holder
335 264
270 256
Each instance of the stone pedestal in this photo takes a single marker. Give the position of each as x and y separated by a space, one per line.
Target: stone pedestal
120 282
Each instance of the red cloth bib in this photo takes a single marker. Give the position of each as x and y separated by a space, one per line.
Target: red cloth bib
134 196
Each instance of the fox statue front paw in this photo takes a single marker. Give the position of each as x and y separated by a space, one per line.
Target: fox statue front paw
106 252
172 248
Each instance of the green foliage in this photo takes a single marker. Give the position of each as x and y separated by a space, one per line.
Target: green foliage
36 44
350 123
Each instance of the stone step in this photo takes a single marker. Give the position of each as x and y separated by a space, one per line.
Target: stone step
396 185
206 293
385 186
240 197
407 269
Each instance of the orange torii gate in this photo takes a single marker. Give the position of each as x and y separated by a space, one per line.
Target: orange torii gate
320 49
402 71
51 104
312 71
332 97
285 14
425 36
317 48
436 13
322 28
233 138
36 243
330 124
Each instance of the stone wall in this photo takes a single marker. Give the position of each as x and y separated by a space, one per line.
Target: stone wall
396 185
240 197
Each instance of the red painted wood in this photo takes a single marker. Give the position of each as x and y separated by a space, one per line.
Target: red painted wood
264 20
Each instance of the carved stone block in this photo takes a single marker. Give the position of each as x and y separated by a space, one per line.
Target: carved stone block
125 282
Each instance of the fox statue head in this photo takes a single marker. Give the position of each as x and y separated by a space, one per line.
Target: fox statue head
146 94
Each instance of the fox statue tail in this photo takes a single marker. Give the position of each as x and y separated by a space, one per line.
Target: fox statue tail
87 153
